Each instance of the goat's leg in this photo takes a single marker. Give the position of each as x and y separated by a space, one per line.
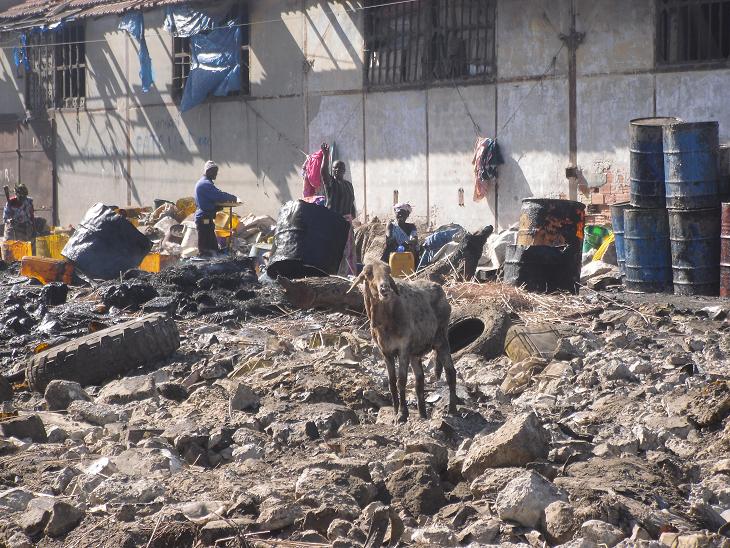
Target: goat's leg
417 367
390 366
403 362
443 355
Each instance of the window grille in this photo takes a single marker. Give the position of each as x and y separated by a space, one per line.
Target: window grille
57 77
692 31
181 54
426 40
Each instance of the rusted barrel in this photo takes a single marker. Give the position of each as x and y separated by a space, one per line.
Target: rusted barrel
695 240
617 224
725 251
646 188
547 254
691 165
648 257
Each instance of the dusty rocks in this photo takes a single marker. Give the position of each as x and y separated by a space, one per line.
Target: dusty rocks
29 427
59 394
282 429
520 440
525 498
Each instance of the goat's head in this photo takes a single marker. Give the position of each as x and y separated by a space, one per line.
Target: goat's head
380 283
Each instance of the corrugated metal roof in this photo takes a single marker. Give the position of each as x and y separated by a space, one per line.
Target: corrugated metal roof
38 12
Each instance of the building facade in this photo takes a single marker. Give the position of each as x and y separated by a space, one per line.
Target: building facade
402 89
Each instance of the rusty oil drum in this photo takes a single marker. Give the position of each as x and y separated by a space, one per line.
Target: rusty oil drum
725 251
547 253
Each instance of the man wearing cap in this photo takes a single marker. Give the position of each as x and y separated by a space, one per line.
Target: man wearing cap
19 216
207 198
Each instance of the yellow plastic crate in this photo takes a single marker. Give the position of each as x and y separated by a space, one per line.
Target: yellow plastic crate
15 250
46 270
154 262
51 246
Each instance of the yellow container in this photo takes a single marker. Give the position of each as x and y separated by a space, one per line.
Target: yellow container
51 246
15 250
402 264
46 270
186 207
154 262
222 219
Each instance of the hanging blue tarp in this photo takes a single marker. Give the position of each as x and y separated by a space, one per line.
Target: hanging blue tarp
133 23
20 53
184 21
214 66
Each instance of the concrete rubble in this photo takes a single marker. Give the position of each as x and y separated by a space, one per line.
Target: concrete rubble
272 423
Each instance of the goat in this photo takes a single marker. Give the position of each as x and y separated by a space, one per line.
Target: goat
407 320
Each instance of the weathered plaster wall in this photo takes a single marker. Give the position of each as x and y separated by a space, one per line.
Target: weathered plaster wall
307 86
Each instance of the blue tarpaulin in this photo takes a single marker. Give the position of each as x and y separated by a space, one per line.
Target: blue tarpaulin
184 21
215 42
214 66
20 54
133 23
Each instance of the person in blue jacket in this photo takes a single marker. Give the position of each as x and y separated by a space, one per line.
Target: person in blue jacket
207 198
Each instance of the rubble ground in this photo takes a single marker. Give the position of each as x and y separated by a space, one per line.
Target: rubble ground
273 427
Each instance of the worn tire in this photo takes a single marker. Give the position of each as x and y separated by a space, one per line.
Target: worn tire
95 358
464 331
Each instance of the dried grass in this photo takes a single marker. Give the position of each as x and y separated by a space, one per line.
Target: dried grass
529 307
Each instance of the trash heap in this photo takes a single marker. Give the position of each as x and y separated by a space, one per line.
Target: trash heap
584 420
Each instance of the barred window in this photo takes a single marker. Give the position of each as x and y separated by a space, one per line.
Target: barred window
181 54
692 31
57 77
427 40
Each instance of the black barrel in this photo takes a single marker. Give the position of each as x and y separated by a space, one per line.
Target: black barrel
648 256
309 241
695 239
542 268
691 165
647 161
547 255
617 224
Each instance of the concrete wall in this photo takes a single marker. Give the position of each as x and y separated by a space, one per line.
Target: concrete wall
130 147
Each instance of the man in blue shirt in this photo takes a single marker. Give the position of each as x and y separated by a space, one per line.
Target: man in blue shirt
207 198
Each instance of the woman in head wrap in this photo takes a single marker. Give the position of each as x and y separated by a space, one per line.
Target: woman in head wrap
401 233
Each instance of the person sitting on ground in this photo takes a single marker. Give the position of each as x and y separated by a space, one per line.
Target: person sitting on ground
401 233
19 216
340 199
207 199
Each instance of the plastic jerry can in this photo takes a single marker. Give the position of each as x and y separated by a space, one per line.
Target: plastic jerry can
15 250
46 270
402 263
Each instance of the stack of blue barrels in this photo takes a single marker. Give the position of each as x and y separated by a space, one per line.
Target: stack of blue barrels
693 203
668 235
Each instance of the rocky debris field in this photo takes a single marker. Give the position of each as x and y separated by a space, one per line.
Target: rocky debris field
273 427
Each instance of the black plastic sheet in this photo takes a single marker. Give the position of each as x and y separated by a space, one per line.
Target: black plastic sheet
105 244
309 241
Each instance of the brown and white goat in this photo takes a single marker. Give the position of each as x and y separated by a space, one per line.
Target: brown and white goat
407 320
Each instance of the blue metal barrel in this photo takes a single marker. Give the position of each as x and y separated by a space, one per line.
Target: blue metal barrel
617 223
647 161
691 165
695 242
648 257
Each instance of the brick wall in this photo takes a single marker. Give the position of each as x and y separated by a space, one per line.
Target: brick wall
598 200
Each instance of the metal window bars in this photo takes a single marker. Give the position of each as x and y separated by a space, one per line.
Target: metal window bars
428 40
181 54
692 31
57 77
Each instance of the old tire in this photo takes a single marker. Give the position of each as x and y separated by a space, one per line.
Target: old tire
95 358
475 329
